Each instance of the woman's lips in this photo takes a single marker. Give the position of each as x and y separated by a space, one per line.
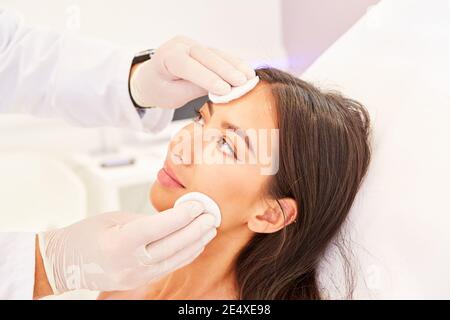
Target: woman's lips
168 179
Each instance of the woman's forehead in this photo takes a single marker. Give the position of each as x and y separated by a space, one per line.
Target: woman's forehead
255 109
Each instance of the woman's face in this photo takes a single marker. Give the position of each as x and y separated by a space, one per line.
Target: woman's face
219 156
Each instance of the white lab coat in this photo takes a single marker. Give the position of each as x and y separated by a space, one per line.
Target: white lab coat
48 74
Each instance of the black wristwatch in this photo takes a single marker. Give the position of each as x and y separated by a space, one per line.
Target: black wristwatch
139 58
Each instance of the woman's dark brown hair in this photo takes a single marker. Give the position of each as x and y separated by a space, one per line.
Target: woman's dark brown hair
324 154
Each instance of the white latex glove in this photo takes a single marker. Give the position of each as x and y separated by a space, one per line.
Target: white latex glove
121 251
182 70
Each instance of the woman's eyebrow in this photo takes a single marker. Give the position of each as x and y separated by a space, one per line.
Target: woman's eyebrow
230 126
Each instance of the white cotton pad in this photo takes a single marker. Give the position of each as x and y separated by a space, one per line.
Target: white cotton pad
235 93
209 204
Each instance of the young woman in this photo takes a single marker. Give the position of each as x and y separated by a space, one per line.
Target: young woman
275 227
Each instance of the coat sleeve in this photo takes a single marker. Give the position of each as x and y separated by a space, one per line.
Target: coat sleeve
83 81
17 265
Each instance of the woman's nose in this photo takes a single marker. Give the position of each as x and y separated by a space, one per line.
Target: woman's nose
184 148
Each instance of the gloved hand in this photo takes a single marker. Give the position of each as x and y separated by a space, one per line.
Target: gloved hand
121 251
182 70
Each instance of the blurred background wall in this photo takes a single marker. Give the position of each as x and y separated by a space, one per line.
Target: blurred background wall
309 27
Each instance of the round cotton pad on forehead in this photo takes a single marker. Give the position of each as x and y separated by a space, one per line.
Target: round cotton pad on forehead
235 93
208 203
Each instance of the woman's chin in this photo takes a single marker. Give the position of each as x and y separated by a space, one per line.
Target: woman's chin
161 198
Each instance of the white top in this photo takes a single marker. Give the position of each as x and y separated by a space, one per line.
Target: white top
49 74
17 265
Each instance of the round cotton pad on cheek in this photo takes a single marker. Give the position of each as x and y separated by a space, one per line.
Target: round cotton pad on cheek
208 203
235 93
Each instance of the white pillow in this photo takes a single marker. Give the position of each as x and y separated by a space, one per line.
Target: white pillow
395 61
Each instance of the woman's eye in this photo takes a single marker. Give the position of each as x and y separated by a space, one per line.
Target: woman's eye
225 147
199 119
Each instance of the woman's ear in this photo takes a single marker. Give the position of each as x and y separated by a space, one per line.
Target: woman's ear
277 214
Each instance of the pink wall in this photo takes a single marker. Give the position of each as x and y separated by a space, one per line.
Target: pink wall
311 26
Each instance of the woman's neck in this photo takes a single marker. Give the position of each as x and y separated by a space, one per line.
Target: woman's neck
210 276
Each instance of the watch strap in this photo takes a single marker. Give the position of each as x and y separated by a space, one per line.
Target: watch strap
139 58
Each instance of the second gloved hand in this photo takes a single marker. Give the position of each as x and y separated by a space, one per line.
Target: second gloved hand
121 251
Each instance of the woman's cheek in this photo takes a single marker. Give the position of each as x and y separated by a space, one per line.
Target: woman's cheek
227 186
